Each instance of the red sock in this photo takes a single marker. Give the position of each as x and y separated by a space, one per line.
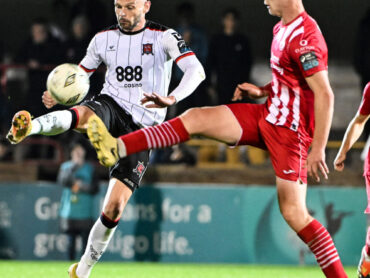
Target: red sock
160 136
322 246
367 245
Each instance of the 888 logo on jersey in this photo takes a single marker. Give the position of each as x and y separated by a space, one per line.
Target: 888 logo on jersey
129 73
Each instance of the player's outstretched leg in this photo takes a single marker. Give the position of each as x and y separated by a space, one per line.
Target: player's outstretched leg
21 127
49 124
363 270
213 122
110 149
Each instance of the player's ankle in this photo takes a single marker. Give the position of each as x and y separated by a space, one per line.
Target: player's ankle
83 269
122 152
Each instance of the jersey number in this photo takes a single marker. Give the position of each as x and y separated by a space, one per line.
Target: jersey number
129 73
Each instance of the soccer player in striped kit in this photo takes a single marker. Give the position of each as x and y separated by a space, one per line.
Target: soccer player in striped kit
353 132
139 55
297 115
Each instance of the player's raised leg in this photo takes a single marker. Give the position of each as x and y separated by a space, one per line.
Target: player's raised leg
49 124
115 201
292 202
217 122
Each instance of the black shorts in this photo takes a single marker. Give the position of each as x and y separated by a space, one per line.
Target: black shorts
131 169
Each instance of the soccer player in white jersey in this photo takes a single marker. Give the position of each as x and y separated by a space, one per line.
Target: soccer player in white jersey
139 55
297 115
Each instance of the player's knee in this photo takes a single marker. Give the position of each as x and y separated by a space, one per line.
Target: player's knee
83 114
293 214
114 209
194 120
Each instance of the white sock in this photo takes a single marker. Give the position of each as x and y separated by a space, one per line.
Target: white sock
98 241
52 123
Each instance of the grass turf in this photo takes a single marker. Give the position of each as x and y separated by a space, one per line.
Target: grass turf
16 269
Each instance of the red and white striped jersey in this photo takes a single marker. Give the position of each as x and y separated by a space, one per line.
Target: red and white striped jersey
298 50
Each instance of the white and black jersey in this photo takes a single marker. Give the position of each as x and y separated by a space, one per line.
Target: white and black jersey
136 62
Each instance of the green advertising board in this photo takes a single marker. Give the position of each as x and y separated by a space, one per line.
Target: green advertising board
186 223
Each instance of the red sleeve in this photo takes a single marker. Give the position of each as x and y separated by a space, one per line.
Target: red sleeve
365 103
309 51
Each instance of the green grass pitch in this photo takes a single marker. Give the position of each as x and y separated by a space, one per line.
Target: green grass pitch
16 269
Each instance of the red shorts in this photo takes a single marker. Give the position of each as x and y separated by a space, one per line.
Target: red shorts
288 150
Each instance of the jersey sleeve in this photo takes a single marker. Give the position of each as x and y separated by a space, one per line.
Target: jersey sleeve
309 51
175 46
365 103
92 59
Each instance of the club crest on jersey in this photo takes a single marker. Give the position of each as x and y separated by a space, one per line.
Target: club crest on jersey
140 169
148 49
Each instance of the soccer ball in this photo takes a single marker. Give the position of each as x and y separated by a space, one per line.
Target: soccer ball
68 84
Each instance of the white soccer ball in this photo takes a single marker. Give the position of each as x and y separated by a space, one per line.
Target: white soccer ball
68 84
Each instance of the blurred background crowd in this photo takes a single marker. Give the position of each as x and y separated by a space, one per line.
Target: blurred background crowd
230 39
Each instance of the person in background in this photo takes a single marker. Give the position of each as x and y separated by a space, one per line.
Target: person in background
40 53
194 37
75 50
229 60
75 47
93 10
76 205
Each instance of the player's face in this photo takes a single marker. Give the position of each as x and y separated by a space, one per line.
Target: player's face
131 13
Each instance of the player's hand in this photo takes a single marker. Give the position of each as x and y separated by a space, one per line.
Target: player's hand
158 101
339 162
247 90
316 164
47 100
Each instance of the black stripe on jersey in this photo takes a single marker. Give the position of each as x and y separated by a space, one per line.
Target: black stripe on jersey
119 37
106 47
141 56
128 63
155 26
